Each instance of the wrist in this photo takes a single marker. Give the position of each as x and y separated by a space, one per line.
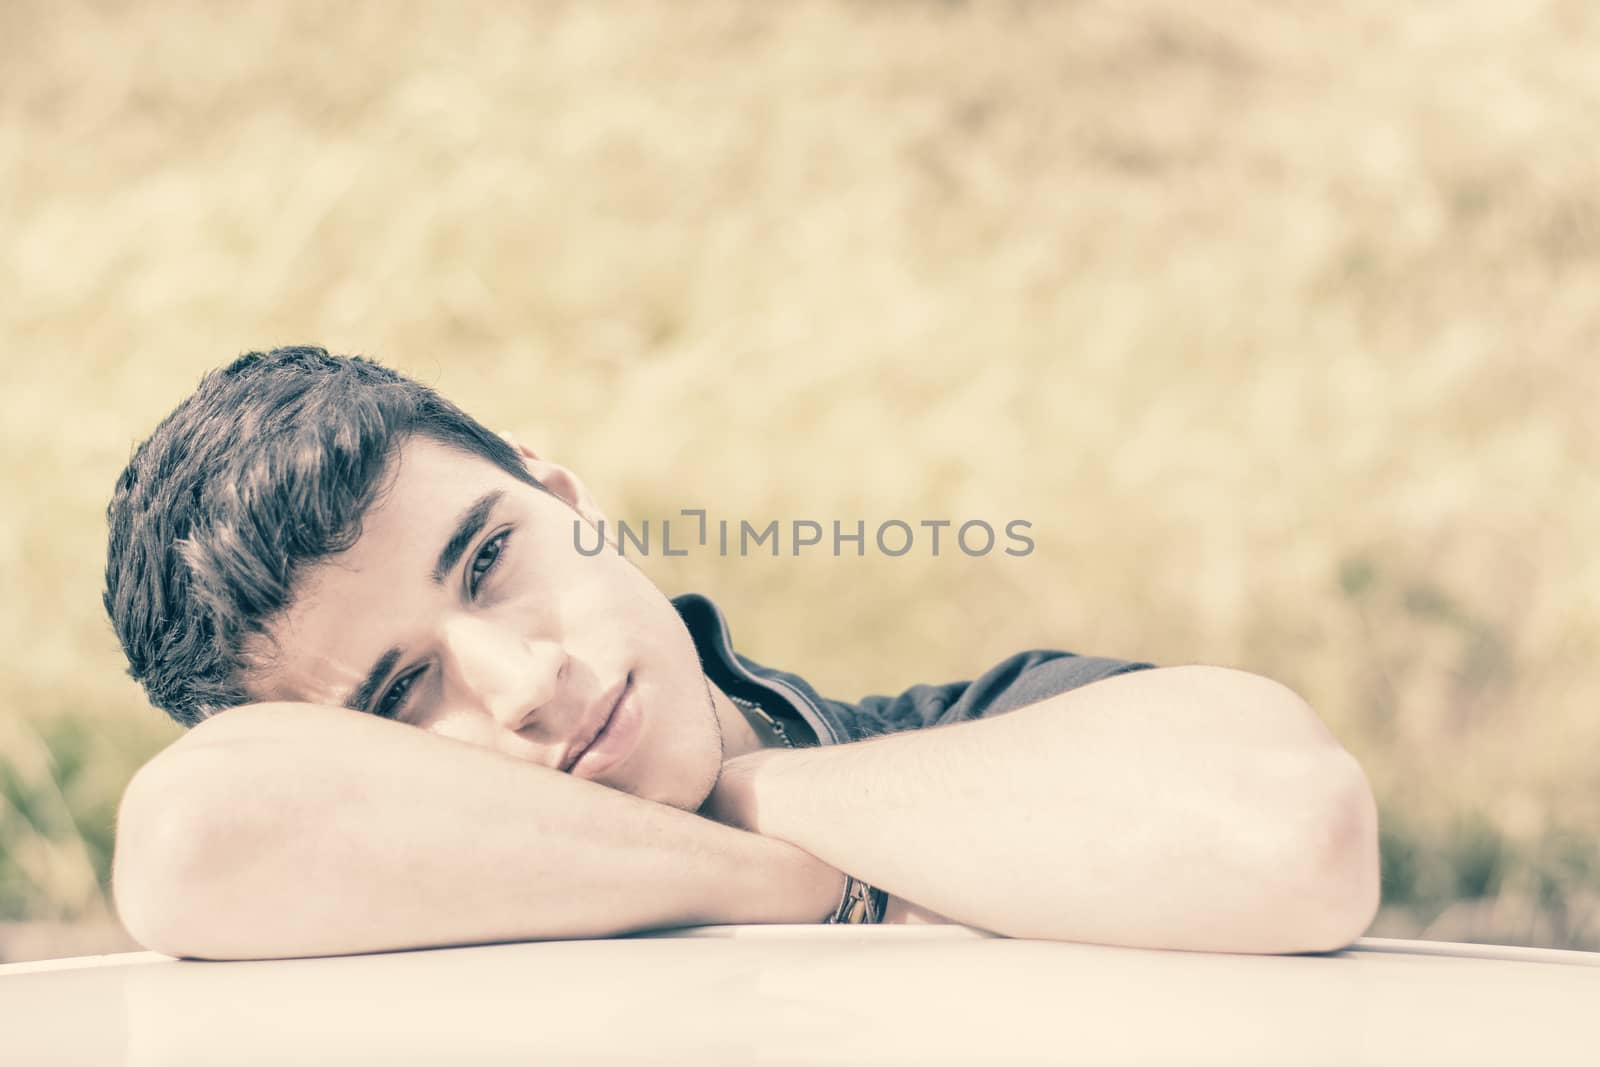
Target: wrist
860 903
735 800
776 882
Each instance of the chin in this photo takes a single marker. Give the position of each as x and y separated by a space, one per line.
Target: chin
690 783
680 753
689 773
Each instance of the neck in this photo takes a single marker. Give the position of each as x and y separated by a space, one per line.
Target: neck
742 731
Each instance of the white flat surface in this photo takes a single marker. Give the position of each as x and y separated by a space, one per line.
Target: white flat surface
814 995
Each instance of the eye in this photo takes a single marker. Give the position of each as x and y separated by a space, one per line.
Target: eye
486 559
394 697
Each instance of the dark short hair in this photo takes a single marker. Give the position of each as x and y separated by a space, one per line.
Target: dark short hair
267 467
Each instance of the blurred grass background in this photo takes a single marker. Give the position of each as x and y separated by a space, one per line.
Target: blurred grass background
1277 321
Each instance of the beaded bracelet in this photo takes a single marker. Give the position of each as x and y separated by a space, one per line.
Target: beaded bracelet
861 903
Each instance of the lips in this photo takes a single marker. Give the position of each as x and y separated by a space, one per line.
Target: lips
594 722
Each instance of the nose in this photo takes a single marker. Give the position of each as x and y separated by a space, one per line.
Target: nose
503 672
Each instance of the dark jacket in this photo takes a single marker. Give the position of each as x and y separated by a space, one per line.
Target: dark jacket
1016 681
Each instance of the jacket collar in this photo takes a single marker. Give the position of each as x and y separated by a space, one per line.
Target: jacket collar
776 691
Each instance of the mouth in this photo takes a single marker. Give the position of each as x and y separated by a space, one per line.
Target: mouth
610 702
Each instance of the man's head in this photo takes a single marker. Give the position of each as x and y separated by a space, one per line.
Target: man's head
318 528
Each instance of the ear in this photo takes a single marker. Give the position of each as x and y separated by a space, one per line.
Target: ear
563 482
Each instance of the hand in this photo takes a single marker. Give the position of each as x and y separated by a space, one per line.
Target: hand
811 890
733 800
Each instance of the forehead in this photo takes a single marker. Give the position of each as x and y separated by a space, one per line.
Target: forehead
422 496
345 608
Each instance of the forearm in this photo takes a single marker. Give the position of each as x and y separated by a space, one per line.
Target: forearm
1131 812
315 831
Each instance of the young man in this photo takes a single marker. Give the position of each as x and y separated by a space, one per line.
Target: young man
420 716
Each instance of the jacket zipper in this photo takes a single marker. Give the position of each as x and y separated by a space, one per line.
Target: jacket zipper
818 724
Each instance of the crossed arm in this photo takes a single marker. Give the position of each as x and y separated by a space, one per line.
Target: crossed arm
1190 807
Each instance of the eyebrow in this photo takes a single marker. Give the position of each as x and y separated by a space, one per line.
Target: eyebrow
362 695
471 522
467 526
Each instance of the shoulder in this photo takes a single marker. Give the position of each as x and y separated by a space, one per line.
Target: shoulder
1015 682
